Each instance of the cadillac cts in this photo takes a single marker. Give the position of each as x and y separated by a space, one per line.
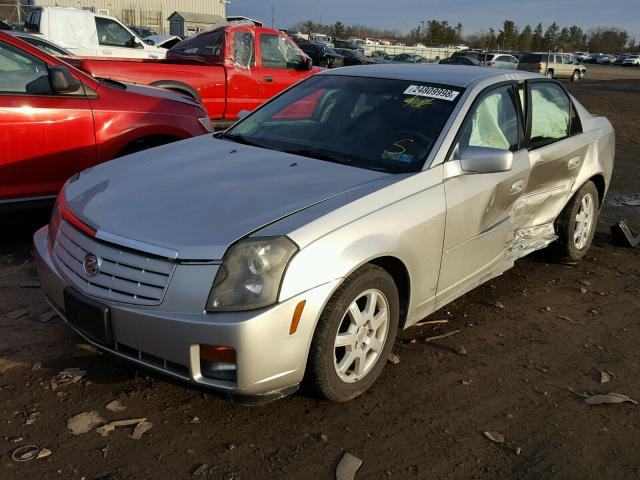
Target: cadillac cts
291 247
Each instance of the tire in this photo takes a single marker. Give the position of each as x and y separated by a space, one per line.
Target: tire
574 239
582 74
322 377
575 76
549 74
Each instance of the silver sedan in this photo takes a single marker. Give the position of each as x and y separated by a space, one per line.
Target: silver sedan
290 248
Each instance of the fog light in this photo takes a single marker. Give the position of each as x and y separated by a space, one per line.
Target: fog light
218 363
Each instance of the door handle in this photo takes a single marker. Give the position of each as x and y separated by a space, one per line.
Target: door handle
573 163
517 186
268 79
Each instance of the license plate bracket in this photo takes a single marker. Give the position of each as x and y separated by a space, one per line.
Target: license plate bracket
89 317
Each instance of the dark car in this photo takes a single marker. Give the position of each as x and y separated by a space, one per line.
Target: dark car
41 43
353 57
4 25
408 58
461 60
322 55
346 44
142 32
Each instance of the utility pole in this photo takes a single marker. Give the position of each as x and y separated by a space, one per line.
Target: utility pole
273 16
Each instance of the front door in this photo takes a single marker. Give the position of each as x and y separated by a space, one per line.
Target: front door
116 41
482 213
44 138
281 63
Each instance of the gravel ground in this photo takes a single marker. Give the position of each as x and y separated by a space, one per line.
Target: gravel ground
531 337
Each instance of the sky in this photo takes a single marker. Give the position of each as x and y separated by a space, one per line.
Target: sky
404 15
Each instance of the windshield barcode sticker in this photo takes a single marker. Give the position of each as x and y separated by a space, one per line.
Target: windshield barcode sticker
432 92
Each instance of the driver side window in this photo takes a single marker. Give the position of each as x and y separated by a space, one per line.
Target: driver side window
492 123
112 34
278 52
21 73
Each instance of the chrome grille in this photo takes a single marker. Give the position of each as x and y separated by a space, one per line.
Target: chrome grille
124 275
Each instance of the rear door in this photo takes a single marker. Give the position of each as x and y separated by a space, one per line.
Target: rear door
280 64
481 214
556 149
44 137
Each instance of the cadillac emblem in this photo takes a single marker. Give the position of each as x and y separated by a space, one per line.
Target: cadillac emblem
91 264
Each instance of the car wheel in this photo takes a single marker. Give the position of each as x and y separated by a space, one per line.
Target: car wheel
576 224
582 74
576 76
354 335
549 73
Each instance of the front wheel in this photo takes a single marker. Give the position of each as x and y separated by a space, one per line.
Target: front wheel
576 224
576 76
354 335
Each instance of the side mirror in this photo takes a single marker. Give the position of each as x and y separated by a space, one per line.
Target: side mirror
243 113
305 64
486 160
134 42
62 81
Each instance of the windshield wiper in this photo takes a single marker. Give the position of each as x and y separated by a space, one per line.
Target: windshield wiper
240 139
305 152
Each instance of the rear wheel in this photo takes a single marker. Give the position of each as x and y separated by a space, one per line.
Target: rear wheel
576 224
354 335
549 73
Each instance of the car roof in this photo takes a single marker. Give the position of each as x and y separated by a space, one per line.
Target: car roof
455 75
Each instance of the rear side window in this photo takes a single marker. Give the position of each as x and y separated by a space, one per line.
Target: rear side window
243 49
552 115
493 122
205 45
32 22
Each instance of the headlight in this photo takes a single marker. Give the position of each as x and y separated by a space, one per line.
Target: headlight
250 274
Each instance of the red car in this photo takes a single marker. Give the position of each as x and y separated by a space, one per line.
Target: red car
56 120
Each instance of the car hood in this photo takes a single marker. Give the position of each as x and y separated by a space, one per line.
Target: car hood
198 196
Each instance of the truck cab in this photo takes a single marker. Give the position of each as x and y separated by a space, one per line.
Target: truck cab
88 34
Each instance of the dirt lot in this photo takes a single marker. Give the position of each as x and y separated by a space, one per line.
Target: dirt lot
529 335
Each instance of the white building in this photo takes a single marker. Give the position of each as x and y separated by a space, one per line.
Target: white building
143 13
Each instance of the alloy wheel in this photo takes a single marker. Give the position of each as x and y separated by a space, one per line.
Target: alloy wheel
584 221
361 336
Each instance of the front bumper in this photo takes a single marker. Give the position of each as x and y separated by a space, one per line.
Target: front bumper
167 337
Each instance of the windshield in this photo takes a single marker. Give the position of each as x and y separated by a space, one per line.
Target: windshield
377 124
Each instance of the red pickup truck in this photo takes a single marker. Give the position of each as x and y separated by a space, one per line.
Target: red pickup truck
229 69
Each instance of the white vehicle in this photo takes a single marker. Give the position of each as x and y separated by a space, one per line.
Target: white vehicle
582 56
632 61
357 41
321 38
85 33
